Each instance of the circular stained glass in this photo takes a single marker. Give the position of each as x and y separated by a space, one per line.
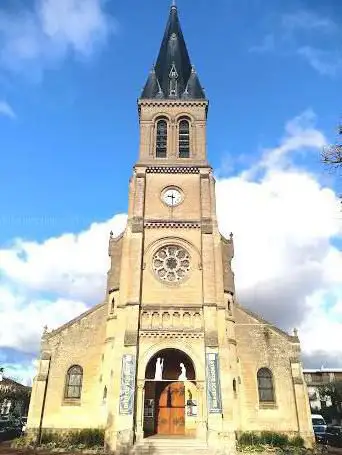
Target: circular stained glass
171 263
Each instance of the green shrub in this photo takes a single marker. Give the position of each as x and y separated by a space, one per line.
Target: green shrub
297 441
274 439
86 438
248 439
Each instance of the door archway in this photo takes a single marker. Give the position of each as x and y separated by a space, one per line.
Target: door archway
167 376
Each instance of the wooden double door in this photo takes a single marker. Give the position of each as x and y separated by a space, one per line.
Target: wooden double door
170 415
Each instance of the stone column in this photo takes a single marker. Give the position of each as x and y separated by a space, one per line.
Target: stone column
139 430
201 413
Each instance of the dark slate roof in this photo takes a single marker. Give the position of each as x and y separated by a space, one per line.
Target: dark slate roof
173 62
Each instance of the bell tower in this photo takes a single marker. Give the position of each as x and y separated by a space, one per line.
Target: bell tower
170 308
172 106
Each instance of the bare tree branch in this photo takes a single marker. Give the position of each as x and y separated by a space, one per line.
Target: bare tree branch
332 156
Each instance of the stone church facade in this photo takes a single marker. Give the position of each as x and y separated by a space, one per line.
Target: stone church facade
170 351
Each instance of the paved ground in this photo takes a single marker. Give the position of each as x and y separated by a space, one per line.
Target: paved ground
5 449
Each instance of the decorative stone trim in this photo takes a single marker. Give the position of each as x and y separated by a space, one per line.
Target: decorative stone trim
207 226
109 339
137 225
167 335
175 320
42 377
172 224
294 360
298 381
71 402
131 338
167 103
270 405
172 170
211 339
232 341
45 356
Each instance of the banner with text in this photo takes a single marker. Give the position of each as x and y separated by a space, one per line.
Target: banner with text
213 384
127 384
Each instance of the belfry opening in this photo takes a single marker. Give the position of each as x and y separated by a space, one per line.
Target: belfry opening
170 400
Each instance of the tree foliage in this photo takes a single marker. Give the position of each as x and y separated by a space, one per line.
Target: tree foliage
15 393
333 390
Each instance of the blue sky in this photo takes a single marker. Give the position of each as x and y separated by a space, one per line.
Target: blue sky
70 76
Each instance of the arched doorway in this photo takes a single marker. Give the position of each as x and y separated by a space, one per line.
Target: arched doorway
168 376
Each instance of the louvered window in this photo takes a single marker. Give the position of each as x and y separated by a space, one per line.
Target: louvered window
184 139
161 139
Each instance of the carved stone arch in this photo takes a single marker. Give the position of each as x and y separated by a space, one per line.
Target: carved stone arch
180 345
161 115
185 116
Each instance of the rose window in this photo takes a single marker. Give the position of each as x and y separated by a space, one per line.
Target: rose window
171 263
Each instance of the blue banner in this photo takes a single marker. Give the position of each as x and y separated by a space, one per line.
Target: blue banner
127 384
213 384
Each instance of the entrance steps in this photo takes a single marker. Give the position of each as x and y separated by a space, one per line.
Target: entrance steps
171 446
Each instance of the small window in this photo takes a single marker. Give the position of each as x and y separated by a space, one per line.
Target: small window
112 305
234 385
161 139
74 379
265 385
105 394
184 139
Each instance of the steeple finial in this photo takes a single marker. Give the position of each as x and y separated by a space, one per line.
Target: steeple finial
173 4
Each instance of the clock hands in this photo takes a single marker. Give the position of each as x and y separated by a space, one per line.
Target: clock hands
173 197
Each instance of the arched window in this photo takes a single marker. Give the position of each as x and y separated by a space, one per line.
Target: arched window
161 139
73 385
265 385
184 139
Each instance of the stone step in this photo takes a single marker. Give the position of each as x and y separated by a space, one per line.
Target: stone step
171 446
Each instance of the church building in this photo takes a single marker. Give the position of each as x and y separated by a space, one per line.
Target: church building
170 353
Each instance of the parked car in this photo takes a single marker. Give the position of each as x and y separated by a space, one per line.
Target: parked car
8 430
334 435
319 427
23 425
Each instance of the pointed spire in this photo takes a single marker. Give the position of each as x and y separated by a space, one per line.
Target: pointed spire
173 71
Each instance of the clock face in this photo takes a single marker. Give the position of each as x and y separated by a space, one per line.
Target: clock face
172 197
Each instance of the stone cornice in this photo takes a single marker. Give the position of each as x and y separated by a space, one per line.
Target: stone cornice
168 103
172 224
172 170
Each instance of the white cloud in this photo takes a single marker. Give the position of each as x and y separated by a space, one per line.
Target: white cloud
49 32
326 62
286 267
51 282
308 20
308 35
6 110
